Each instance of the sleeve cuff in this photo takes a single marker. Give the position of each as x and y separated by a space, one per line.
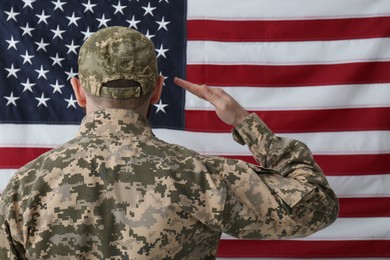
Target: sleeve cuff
249 130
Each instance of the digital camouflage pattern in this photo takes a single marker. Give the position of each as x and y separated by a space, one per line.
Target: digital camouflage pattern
117 53
118 192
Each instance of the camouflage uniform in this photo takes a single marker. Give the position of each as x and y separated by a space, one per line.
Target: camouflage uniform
118 192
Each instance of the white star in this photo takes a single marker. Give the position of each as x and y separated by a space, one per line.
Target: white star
42 100
58 5
57 32
119 7
164 78
42 45
148 9
73 19
160 107
12 43
89 7
164 1
87 34
57 87
28 86
11 14
27 30
41 72
133 23
27 58
72 47
11 99
42 17
150 36
103 21
161 51
57 60
71 102
163 24
12 71
70 74
28 3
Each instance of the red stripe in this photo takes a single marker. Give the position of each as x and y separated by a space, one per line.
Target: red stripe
346 165
15 157
297 121
358 164
290 75
291 30
364 207
304 249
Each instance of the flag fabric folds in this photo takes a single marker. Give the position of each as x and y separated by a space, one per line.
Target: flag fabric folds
316 71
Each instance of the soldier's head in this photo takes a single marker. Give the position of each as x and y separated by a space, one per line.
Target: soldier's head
117 69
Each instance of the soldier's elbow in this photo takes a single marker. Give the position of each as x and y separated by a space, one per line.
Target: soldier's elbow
317 213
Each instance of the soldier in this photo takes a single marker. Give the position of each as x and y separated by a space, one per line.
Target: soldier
117 192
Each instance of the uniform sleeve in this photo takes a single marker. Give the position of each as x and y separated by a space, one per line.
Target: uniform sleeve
286 196
9 249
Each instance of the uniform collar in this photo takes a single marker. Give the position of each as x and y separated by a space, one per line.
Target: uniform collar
109 121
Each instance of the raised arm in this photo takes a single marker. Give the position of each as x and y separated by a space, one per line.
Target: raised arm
288 197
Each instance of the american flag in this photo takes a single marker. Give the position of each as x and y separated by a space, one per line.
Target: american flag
317 71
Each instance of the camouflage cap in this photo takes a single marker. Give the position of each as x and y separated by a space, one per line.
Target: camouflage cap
117 53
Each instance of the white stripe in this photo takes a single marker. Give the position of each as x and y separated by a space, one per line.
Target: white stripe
301 98
361 186
369 142
350 229
355 229
34 135
288 53
297 9
357 142
5 176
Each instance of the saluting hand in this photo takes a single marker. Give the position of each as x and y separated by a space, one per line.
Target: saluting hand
226 107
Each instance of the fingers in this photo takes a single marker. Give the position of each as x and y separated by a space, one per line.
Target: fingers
201 91
191 87
215 96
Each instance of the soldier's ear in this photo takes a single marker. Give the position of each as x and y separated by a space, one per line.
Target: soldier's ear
79 92
157 90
